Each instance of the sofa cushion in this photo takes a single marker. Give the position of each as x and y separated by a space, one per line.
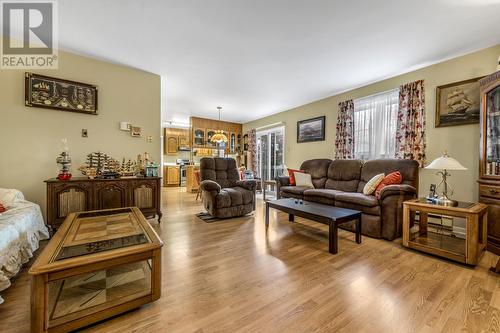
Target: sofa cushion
324 196
407 168
344 175
318 169
221 170
296 191
366 203
233 196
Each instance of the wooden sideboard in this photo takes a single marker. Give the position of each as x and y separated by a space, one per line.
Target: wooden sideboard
83 194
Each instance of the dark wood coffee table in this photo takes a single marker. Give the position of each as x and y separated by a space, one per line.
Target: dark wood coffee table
325 214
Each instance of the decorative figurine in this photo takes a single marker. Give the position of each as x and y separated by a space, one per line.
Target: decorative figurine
65 161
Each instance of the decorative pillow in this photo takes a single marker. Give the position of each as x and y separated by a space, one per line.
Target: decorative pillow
372 184
292 176
303 179
391 179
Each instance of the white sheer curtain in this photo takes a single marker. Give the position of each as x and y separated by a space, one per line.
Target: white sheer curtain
375 121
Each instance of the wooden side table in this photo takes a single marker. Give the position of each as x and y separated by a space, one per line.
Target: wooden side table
265 184
467 251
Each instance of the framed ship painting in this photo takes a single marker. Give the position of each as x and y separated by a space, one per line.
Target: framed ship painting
458 103
310 130
52 93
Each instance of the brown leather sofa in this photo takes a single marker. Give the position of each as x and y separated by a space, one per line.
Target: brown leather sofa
340 183
223 193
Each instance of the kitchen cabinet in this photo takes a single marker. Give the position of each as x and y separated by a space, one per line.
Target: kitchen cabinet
172 145
191 183
171 175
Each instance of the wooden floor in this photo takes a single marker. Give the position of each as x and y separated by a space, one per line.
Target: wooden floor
232 276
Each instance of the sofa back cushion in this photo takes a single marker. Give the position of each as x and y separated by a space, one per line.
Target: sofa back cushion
220 170
318 169
407 168
344 175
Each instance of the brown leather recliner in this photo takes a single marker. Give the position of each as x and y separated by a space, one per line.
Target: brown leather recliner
340 183
223 193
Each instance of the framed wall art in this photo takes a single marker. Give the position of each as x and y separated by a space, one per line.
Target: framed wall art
310 130
457 103
52 93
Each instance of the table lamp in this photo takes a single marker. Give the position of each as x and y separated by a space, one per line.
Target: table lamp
445 163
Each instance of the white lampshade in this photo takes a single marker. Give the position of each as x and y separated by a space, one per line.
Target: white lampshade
445 163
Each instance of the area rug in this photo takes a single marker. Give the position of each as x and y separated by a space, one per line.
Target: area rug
205 217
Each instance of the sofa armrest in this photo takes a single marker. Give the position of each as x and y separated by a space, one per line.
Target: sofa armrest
210 185
247 184
400 189
282 181
391 202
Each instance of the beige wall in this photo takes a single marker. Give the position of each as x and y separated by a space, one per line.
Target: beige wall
29 137
461 142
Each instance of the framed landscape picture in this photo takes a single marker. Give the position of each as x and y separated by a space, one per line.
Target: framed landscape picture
457 103
310 130
52 93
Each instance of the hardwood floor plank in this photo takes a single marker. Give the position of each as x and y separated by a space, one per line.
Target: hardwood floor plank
236 276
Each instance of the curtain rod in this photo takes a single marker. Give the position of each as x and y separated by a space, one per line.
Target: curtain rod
281 123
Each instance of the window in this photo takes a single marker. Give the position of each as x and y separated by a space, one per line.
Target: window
375 121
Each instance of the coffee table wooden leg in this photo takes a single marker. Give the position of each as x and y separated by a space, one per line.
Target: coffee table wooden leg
358 230
291 217
332 238
267 214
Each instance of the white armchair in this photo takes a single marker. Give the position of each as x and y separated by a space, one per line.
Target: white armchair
21 228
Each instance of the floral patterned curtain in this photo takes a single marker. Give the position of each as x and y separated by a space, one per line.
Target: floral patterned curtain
410 131
344 141
252 151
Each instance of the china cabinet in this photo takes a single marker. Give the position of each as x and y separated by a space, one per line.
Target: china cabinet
489 168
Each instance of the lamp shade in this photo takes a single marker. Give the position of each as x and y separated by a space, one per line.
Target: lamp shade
219 137
445 162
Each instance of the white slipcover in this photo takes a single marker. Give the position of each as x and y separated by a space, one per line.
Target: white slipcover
21 228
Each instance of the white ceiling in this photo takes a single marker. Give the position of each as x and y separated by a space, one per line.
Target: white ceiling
258 57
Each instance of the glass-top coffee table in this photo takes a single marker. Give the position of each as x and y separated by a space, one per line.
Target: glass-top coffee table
98 264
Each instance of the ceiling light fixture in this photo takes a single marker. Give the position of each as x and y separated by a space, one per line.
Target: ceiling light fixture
219 135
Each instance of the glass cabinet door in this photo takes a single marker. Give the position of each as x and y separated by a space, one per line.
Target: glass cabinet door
199 137
493 132
232 143
210 133
238 144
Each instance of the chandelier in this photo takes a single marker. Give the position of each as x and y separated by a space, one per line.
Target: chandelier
219 135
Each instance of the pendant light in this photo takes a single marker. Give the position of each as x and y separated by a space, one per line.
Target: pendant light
219 135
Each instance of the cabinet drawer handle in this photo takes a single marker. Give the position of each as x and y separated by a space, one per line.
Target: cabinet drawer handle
493 191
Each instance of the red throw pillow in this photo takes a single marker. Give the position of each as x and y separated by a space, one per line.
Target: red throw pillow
391 179
292 176
2 208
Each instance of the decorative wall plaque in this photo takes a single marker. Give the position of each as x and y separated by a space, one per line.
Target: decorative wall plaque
52 93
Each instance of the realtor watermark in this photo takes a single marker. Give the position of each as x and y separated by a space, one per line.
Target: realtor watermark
29 34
